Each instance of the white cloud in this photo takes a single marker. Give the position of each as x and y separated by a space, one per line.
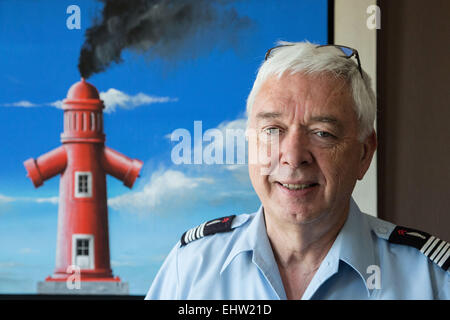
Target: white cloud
22 103
28 104
231 181
5 199
52 200
188 188
165 190
112 99
57 104
238 124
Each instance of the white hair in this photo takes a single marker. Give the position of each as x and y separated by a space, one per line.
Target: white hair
307 58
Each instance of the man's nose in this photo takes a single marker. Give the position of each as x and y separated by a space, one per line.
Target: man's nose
295 149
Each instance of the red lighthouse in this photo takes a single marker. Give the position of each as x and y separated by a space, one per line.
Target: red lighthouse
83 161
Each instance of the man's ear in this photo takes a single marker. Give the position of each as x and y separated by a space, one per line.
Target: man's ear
369 146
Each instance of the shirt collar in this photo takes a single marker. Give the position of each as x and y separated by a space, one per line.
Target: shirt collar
248 240
255 240
353 245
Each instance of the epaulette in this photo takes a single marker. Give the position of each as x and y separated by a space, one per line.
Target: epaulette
435 249
207 228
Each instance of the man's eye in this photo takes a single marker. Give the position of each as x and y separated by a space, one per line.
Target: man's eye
272 131
324 134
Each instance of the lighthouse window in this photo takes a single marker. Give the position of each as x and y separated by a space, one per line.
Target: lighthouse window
92 121
83 184
83 250
82 247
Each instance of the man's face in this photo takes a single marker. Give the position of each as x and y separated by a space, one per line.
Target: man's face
307 127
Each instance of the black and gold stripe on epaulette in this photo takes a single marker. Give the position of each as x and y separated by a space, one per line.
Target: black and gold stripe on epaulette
435 249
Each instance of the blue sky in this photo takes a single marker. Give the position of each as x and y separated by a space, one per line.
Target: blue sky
208 83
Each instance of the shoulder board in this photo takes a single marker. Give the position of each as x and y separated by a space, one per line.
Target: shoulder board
207 228
435 249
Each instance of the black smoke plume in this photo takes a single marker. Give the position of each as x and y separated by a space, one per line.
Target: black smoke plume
158 28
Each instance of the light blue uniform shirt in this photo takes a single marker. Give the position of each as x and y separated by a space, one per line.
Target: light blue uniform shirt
240 264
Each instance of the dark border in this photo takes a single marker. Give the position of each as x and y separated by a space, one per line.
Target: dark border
330 27
380 123
68 297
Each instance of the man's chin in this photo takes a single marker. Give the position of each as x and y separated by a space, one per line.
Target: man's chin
300 215
302 218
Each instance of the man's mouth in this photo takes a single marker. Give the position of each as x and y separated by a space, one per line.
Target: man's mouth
298 186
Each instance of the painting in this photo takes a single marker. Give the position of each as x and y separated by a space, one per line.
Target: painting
126 119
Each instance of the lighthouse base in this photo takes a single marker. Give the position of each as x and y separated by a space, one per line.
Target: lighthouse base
83 287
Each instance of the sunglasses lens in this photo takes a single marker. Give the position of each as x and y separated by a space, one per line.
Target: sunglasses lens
347 51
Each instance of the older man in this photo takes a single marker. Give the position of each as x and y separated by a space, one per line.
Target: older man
310 114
